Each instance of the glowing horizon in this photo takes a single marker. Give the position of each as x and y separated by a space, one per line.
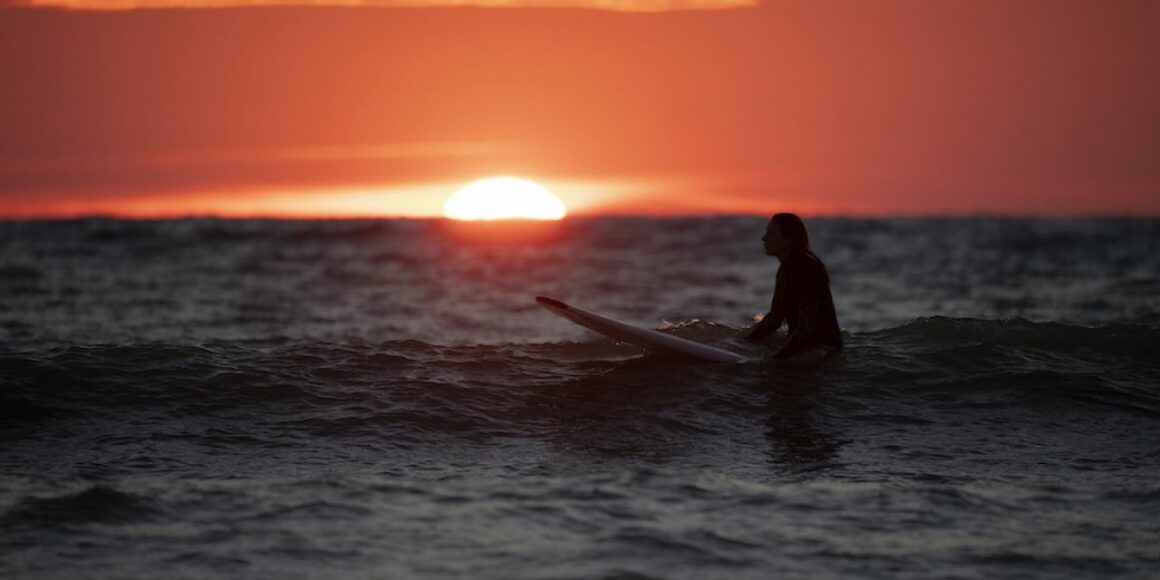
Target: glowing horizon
421 200
504 198
583 198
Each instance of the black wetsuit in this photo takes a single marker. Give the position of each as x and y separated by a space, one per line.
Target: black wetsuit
802 300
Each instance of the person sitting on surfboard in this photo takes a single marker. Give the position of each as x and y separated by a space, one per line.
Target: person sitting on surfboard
801 298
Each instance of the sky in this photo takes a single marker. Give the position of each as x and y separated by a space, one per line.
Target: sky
166 108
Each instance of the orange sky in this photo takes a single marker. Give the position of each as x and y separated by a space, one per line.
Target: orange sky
1044 107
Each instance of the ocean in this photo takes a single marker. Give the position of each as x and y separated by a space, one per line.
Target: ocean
212 398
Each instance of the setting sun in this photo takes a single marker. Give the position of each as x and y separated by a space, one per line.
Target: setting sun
499 198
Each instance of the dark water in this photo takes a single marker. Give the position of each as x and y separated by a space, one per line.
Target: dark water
211 398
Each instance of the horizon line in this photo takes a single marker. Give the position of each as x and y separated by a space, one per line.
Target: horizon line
584 216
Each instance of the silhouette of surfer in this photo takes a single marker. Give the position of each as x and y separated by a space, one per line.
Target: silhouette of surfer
801 297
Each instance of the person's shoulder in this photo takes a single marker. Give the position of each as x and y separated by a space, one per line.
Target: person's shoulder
811 267
807 261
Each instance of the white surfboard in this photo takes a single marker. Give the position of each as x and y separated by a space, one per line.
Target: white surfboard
642 337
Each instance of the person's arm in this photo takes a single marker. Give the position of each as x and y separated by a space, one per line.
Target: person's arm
810 282
807 322
768 325
772 319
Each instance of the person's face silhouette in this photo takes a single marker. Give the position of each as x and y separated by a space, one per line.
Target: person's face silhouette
775 243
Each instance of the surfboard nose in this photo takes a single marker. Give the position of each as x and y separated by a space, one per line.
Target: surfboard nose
544 300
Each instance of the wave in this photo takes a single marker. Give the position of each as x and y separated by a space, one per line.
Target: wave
412 391
1022 333
97 504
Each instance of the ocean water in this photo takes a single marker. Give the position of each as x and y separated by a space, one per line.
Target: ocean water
384 399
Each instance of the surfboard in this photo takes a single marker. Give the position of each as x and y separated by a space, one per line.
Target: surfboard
635 335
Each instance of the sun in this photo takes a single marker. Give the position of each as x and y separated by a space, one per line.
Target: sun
502 198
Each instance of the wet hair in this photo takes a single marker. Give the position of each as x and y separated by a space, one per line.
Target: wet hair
794 229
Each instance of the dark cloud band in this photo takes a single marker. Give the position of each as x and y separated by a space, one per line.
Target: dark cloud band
614 5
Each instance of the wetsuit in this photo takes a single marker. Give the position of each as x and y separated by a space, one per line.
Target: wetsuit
803 301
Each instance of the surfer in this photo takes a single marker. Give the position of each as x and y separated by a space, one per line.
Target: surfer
801 297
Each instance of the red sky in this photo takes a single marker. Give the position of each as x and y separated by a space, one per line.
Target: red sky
1046 107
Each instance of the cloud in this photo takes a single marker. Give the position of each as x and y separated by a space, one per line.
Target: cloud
613 5
221 156
220 167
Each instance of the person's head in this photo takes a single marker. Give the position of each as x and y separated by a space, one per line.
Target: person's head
785 234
